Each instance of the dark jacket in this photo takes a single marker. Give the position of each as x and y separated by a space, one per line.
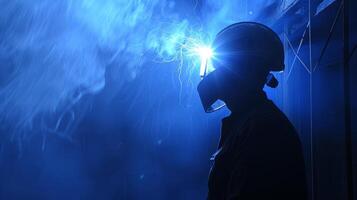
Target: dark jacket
259 157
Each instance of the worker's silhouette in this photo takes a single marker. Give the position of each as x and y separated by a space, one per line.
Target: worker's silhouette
259 156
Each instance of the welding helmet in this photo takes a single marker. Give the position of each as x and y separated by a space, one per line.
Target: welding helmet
248 51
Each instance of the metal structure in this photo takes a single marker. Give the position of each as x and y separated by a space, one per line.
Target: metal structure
313 32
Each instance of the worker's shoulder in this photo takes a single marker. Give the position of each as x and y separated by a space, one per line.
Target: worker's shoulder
269 126
270 118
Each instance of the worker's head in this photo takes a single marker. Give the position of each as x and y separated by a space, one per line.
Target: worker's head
245 54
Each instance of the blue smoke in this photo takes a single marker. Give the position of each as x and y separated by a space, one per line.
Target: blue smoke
53 53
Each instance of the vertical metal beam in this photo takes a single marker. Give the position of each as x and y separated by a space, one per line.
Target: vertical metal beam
312 150
347 100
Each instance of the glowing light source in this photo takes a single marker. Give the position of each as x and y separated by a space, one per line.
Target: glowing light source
205 53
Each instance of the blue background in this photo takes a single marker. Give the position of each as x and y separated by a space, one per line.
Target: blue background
98 98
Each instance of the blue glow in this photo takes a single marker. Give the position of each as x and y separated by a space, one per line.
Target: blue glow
59 51
55 53
98 98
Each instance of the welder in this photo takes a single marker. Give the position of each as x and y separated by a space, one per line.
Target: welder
259 155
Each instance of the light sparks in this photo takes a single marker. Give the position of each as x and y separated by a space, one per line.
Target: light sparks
194 51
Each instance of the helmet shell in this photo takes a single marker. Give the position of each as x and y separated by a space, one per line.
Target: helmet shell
249 43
